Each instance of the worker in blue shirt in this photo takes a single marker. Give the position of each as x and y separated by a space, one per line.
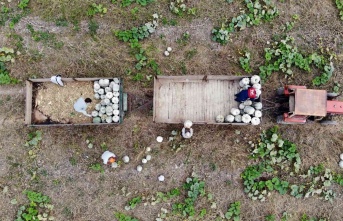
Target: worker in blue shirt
81 106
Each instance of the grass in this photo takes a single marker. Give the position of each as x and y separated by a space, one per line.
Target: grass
61 167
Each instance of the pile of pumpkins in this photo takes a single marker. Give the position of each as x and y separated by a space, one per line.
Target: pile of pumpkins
249 111
108 92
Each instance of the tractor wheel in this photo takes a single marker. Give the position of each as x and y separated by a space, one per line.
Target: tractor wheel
279 120
280 91
328 122
332 95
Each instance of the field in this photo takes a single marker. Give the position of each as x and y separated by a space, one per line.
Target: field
87 39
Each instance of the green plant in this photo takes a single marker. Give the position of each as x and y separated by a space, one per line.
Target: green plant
168 195
96 9
339 4
23 4
194 188
304 217
122 217
33 139
234 211
6 55
258 12
270 217
133 202
336 87
133 36
126 3
93 27
46 37
229 1
184 38
282 56
179 7
245 62
39 208
61 22
97 167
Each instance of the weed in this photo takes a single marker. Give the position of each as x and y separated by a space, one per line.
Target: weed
194 188
282 56
39 207
61 22
167 196
270 217
304 217
96 9
67 212
6 55
126 3
339 4
72 161
213 166
179 8
336 87
46 37
23 4
122 217
133 202
171 22
33 139
229 1
245 62
184 38
97 167
234 211
133 36
190 54
93 27
257 13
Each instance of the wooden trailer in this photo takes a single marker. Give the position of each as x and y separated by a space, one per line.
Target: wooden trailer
44 99
199 98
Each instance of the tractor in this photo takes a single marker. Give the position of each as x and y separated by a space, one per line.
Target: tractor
304 105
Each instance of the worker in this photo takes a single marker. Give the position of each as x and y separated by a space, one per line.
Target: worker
244 95
108 157
81 106
57 80
187 130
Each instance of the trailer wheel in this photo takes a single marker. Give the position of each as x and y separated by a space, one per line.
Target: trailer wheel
280 91
328 122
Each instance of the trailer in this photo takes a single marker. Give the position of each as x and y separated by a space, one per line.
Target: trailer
199 98
48 104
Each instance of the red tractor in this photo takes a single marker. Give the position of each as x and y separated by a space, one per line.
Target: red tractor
308 104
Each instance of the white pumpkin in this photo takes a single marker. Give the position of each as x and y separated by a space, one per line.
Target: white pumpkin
188 124
220 119
101 91
246 118
249 110
241 106
258 93
341 156
238 118
115 106
257 86
234 111
97 96
116 112
244 81
255 79
96 86
229 118
109 95
116 87
115 118
116 80
258 105
258 113
247 103
115 100
255 121
341 164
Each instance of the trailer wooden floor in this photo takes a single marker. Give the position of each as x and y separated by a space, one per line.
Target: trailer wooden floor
194 98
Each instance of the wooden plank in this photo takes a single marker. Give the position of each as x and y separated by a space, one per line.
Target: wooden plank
41 80
28 108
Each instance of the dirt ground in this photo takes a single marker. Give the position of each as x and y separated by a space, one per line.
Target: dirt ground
217 154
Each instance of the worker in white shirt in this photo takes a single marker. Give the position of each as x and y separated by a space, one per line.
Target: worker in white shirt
81 106
187 130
